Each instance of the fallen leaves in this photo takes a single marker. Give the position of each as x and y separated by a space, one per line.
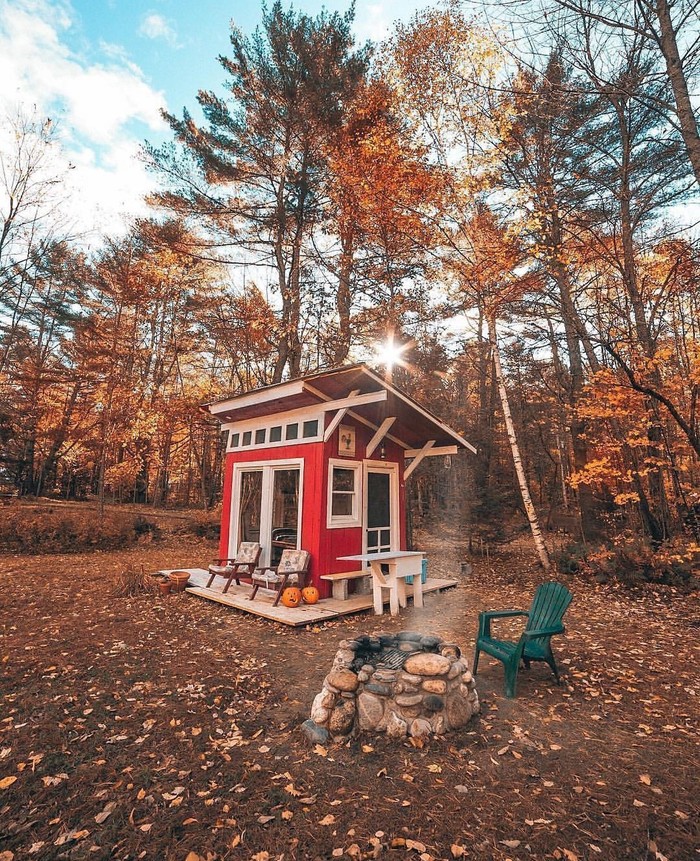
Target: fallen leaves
228 752
54 780
70 836
7 781
106 812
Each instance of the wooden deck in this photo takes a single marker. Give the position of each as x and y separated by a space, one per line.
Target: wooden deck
306 614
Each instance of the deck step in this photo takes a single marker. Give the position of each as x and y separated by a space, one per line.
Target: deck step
340 581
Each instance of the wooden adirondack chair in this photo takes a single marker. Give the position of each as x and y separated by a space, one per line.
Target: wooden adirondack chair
544 620
292 569
243 565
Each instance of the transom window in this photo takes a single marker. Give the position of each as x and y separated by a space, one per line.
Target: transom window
298 429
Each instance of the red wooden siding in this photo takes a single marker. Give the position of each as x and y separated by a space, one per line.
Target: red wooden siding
325 545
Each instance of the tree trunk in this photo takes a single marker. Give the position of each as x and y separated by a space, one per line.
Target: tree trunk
679 85
343 301
515 449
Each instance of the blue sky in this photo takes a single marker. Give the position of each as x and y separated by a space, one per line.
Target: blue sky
103 68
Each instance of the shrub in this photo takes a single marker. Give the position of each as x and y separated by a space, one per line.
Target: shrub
207 524
570 559
49 530
145 528
633 560
131 582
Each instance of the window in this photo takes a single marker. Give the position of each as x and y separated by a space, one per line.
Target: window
257 435
343 494
224 439
310 429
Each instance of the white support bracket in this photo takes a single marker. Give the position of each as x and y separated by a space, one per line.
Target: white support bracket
419 457
338 417
379 435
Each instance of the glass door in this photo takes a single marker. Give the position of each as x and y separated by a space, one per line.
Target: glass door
267 509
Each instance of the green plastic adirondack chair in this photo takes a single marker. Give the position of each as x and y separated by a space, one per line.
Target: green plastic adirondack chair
544 620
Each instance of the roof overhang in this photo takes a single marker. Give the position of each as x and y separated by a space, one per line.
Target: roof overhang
355 390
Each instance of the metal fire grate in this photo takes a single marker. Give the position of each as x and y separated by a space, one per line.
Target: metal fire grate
389 658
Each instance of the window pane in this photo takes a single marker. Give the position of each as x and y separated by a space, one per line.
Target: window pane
311 428
285 511
378 500
247 437
224 439
292 431
235 439
276 433
343 479
259 436
341 505
251 499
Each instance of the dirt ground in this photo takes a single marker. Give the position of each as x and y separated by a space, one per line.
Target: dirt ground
160 728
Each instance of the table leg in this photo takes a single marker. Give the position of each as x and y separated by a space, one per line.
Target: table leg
401 590
417 591
394 600
377 593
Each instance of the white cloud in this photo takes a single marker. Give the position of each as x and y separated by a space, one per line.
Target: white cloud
102 108
374 24
155 26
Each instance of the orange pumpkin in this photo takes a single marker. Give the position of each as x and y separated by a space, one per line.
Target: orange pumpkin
291 597
310 594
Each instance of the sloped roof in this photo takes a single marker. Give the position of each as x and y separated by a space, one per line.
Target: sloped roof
414 426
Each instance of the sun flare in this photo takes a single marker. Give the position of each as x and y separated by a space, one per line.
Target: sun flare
389 353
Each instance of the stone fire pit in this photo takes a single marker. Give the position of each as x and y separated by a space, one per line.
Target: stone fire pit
401 684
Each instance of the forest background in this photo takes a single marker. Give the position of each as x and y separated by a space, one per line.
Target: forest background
509 198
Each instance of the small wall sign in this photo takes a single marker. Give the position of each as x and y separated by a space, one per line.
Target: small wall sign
346 441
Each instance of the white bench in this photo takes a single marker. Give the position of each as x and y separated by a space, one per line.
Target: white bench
340 582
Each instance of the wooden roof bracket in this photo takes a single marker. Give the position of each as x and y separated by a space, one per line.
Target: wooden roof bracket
355 399
420 454
379 435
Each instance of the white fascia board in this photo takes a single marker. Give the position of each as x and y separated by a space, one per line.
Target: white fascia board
261 396
434 451
352 400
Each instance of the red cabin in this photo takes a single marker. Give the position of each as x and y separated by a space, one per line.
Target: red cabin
319 463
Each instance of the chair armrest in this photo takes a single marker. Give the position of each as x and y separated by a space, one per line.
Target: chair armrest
267 568
486 616
502 614
543 632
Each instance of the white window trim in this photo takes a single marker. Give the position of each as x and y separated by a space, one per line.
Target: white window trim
344 521
267 468
297 417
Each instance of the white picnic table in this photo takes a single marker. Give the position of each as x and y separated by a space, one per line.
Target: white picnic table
389 570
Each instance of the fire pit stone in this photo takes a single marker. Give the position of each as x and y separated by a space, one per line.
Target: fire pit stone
401 684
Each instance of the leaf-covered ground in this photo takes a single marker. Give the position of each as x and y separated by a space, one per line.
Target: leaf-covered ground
168 728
